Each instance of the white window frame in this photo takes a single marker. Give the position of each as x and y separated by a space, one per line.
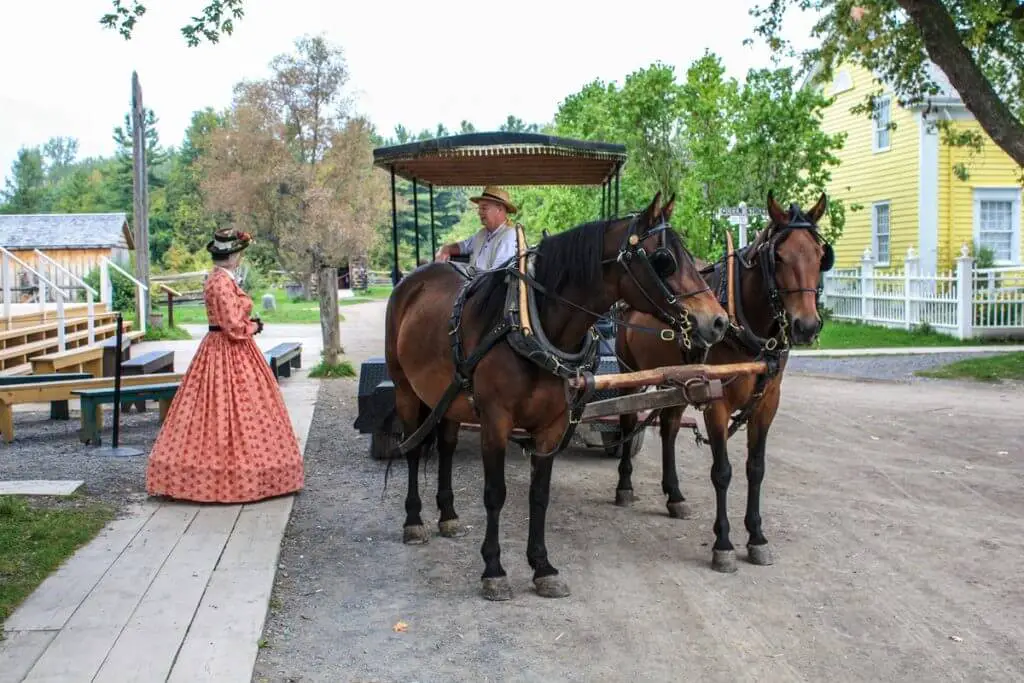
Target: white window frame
879 102
874 233
1000 194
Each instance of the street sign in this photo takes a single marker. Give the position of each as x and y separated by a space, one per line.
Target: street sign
740 217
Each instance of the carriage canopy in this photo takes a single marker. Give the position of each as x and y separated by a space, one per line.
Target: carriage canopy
474 159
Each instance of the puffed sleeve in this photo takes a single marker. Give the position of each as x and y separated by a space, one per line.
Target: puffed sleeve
224 308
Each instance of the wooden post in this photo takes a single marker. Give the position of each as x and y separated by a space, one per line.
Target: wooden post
330 329
170 310
140 191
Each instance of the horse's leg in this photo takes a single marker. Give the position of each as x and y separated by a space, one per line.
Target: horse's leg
545 577
447 439
412 412
669 422
716 421
758 550
494 433
624 490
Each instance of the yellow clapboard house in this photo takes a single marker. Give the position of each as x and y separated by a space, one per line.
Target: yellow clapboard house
901 180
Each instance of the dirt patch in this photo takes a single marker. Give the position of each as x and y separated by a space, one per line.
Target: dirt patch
894 511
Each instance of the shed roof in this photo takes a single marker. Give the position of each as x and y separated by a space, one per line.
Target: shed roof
66 231
503 159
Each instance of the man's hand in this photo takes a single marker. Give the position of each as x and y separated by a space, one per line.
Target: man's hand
444 253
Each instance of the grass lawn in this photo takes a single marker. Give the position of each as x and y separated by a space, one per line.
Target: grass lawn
845 335
37 535
287 311
989 369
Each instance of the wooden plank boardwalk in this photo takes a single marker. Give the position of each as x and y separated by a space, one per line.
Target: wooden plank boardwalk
168 592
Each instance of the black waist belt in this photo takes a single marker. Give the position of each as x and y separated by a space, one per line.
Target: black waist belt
215 328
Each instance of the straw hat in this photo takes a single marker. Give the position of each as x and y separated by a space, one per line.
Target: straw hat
496 194
228 241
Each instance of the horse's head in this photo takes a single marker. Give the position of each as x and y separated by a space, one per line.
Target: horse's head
659 276
793 254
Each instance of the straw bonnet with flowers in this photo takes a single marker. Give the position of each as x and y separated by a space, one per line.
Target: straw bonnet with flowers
228 241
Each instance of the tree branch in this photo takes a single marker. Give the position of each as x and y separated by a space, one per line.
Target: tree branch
946 48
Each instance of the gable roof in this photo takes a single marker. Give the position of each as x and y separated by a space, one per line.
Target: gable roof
66 231
947 95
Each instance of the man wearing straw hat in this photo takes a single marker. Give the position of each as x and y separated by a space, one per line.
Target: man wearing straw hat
495 243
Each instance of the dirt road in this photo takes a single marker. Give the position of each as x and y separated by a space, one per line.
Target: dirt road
895 512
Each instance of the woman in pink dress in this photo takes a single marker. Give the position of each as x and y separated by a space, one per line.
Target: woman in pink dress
227 437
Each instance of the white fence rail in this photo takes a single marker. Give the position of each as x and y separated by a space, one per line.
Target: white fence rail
107 289
966 302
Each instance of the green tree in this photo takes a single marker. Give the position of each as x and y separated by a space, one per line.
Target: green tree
25 190
976 43
217 17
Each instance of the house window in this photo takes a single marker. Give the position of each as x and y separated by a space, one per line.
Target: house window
881 137
880 232
997 223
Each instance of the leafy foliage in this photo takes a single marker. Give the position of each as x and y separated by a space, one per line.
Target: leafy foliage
216 18
979 44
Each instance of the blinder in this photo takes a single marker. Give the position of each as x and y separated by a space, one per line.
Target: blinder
828 259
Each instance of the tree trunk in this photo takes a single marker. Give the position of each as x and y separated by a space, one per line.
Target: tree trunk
944 46
330 330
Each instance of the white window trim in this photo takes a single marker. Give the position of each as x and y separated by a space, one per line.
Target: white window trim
881 99
1000 194
874 233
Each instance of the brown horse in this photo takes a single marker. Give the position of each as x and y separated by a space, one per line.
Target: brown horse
776 279
577 275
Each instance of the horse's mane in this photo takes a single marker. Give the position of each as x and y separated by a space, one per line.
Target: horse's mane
571 258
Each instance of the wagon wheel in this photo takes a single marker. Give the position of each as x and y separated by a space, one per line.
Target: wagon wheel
612 437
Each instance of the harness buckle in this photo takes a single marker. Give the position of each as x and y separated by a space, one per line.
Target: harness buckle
667 335
771 344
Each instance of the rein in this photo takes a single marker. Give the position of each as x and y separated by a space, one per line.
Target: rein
521 328
773 349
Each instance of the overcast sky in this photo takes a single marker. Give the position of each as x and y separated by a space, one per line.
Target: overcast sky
415 63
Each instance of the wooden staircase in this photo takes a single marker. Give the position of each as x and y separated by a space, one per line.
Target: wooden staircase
19 346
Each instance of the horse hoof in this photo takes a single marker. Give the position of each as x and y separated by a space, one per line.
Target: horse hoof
450 528
679 510
723 561
624 497
497 588
552 586
760 554
415 535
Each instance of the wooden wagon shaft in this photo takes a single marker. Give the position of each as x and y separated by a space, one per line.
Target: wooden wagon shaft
673 373
648 400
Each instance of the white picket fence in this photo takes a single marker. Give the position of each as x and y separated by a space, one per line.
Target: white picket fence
966 302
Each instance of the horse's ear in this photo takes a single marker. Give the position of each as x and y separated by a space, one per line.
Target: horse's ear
818 210
666 212
775 211
653 209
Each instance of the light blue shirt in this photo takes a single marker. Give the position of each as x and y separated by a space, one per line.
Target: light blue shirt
489 250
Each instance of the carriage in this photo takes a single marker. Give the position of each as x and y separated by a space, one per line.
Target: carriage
505 159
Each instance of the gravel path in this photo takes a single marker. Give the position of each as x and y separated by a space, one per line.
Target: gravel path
50 449
896 368
897 542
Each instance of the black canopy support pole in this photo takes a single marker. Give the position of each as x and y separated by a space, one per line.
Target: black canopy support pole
433 239
416 220
604 201
618 172
394 231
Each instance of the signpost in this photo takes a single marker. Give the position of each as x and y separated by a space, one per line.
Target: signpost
740 217
116 449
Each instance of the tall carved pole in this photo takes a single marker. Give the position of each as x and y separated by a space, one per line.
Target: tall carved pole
140 192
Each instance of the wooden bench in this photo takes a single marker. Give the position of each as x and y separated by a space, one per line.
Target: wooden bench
149 363
284 357
47 392
110 352
83 359
93 401
58 409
